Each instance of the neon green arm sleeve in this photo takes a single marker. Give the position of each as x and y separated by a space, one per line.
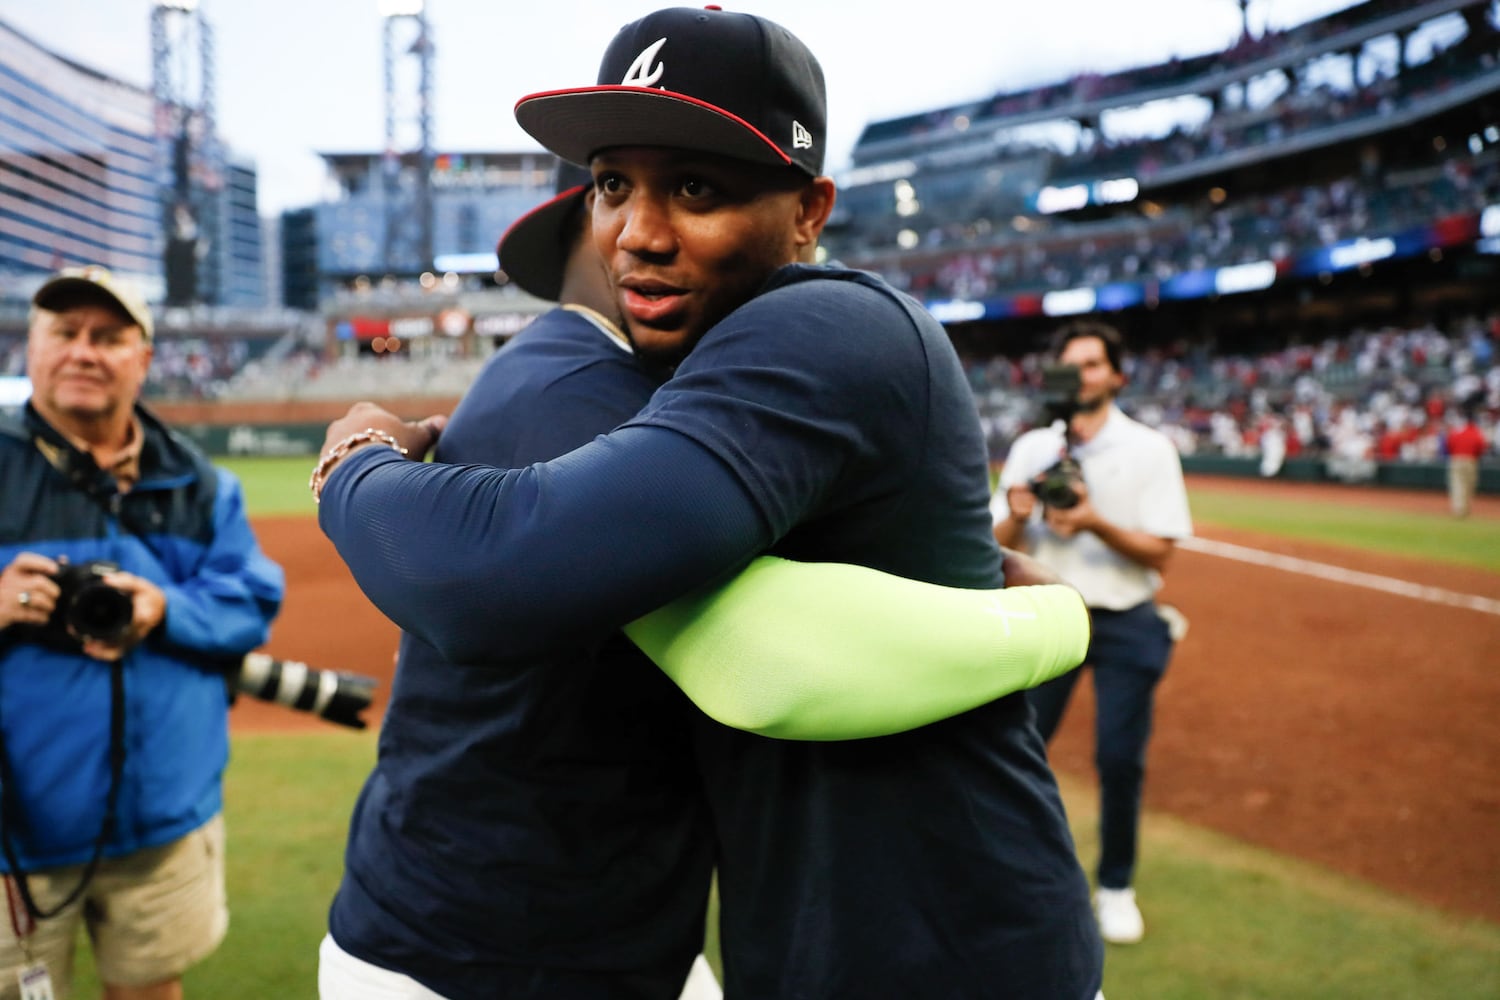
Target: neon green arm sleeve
829 651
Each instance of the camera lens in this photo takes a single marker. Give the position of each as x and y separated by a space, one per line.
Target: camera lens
338 697
98 611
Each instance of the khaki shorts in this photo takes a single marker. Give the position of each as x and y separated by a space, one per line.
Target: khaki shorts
150 915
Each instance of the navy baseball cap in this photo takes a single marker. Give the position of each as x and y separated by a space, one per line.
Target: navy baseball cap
534 250
707 80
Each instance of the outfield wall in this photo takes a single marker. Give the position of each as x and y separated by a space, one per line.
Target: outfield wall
278 428
1401 475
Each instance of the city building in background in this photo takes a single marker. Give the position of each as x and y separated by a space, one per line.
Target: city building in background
233 259
78 171
98 170
210 221
398 260
297 238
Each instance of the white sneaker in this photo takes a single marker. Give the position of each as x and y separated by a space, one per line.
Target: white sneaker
1119 918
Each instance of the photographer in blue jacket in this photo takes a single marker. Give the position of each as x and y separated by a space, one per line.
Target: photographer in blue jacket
132 587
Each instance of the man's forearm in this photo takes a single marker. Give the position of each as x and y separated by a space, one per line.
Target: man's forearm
1150 551
828 651
1011 534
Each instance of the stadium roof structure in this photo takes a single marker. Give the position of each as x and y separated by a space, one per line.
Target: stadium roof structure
1085 97
1371 181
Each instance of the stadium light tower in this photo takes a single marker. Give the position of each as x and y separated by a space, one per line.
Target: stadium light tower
189 157
407 194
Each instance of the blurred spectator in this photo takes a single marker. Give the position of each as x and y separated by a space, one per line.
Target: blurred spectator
1272 446
1465 444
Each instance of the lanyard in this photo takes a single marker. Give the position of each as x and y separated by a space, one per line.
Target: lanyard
21 920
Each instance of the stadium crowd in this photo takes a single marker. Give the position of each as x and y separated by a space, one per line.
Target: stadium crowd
1373 395
306 374
1216 231
251 368
182 368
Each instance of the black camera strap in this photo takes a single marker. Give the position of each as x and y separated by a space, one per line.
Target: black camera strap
8 805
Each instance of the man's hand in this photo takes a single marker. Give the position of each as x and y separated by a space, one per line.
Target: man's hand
27 591
417 437
148 608
1080 517
1022 502
1022 570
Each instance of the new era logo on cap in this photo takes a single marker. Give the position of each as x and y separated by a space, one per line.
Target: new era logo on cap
708 80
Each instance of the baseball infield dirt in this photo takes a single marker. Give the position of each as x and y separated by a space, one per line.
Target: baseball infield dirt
1346 725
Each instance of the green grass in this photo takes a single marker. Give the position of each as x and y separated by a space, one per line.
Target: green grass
1436 537
1228 921
288 798
274 486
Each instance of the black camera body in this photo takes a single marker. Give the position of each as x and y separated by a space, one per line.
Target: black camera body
1057 487
87 607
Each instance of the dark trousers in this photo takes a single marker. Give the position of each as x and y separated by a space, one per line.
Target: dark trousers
1128 656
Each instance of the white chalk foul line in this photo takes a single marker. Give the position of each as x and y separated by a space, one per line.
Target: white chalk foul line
1436 595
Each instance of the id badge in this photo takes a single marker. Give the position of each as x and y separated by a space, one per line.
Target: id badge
36 982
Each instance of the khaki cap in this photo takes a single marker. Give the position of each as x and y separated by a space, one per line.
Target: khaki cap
80 284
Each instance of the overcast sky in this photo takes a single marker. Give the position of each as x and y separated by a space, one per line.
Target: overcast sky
296 77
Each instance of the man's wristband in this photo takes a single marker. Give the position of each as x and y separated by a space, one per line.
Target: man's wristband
331 457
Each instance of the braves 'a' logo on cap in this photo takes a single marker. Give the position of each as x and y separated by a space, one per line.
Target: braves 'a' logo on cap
641 73
801 137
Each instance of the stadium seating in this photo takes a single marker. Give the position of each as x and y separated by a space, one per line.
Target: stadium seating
1384 394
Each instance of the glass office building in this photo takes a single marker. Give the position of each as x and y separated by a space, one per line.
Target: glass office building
83 175
78 171
231 272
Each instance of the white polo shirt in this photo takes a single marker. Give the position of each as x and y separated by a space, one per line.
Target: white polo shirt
1134 478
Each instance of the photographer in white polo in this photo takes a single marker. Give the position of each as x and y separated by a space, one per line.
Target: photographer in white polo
1108 526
